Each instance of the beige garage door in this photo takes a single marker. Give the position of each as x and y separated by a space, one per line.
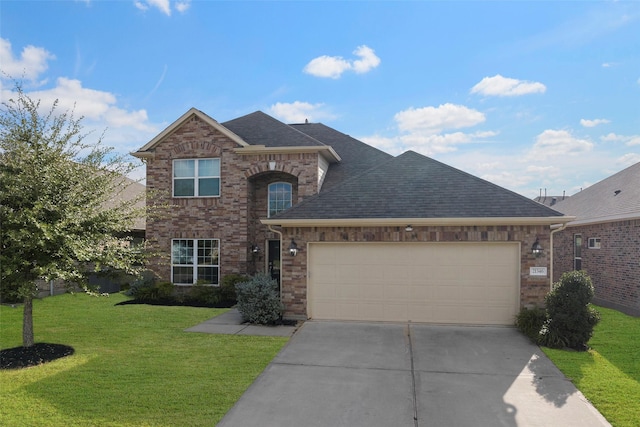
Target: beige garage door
465 283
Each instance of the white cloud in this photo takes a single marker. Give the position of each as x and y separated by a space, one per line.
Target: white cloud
504 86
368 60
334 66
432 120
627 139
593 123
298 112
628 159
183 6
440 143
163 6
557 143
31 63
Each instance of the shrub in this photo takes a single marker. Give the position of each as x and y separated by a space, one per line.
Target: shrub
259 300
228 287
570 319
203 294
530 322
147 289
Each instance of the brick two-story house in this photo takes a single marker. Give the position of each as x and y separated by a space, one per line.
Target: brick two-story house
349 231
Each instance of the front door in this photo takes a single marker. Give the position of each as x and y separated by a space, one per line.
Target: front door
274 259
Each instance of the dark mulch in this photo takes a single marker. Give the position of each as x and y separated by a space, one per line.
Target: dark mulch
37 354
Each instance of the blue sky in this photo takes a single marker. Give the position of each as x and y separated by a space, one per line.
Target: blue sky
527 95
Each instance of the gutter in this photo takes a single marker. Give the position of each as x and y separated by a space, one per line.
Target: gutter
279 233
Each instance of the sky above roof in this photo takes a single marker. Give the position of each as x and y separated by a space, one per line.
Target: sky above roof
528 95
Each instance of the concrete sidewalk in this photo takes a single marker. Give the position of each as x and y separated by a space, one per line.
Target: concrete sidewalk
380 375
230 323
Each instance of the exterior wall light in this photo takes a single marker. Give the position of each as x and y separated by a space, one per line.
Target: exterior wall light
536 248
293 248
408 228
255 249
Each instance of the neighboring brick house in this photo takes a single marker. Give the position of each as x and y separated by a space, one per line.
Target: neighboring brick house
349 231
604 239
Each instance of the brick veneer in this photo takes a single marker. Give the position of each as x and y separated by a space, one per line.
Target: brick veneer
294 281
614 268
234 216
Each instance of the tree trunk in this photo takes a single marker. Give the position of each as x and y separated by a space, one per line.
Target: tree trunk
27 322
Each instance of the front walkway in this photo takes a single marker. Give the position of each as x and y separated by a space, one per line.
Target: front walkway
230 323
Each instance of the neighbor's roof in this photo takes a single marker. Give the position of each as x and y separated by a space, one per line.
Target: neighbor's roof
413 186
356 156
613 199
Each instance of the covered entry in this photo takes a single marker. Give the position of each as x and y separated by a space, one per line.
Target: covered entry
462 283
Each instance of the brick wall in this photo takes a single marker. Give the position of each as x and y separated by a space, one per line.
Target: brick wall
233 217
294 282
614 268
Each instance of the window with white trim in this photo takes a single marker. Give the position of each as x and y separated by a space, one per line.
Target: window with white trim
196 178
279 197
195 260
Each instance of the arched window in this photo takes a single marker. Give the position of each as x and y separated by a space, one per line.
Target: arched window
279 197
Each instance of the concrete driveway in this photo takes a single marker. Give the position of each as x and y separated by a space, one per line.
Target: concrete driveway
392 375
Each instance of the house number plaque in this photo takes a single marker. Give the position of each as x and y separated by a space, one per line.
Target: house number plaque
538 271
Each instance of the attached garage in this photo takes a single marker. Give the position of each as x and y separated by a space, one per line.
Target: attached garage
436 282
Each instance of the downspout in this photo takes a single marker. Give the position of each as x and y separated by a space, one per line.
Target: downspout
554 229
279 233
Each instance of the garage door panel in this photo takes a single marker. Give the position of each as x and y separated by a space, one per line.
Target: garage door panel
474 283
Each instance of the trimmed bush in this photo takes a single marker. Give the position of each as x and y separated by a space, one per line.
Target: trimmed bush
531 321
259 300
570 318
228 287
147 289
203 294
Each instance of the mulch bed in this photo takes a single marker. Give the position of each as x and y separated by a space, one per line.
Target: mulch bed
37 354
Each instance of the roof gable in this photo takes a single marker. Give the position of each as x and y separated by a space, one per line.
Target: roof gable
357 157
414 186
614 198
185 117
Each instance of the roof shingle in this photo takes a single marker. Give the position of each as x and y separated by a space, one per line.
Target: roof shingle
414 186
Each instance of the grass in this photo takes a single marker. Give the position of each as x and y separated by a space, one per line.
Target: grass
133 366
608 374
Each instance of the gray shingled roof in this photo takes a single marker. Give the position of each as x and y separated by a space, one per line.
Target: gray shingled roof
616 197
414 186
259 128
356 156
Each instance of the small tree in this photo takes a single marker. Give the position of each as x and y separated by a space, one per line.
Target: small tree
62 210
570 319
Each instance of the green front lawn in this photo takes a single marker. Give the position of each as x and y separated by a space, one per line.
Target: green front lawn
133 366
608 374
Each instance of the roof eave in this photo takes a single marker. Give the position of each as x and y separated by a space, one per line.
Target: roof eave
401 222
173 126
326 151
605 219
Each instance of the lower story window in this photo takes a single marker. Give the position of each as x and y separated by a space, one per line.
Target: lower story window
195 260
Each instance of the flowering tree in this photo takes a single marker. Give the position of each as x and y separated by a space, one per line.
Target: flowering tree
62 213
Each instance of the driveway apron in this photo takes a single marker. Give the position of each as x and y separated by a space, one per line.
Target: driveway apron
391 374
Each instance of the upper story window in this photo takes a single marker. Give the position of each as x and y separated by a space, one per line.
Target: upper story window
196 178
279 197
